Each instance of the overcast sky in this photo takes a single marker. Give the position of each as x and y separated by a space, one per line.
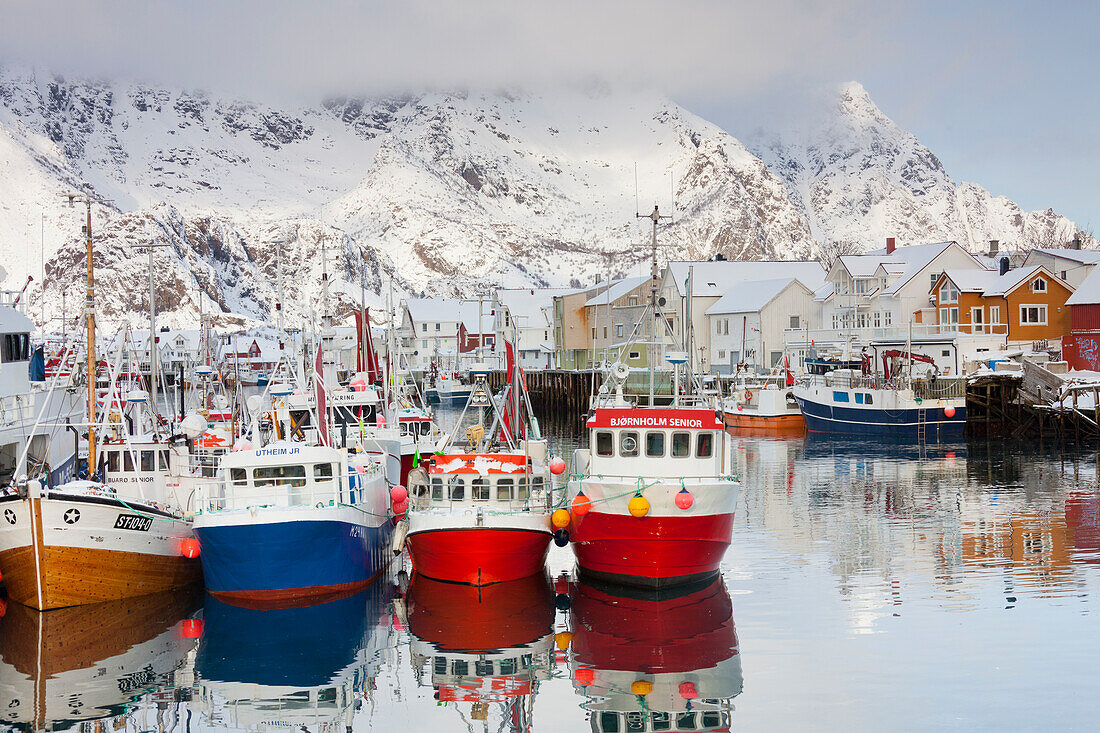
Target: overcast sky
1004 93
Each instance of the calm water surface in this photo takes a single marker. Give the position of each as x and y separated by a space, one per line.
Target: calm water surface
868 587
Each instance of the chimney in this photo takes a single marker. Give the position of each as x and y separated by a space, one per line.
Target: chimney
994 247
890 246
1004 265
598 278
1077 242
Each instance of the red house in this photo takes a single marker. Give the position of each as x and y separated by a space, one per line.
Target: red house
1082 346
469 339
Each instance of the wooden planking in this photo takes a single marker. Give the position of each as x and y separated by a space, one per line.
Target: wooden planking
75 575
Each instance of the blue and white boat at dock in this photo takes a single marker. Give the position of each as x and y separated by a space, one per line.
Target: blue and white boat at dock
847 402
293 524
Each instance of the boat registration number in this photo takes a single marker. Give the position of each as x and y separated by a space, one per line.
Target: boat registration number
134 522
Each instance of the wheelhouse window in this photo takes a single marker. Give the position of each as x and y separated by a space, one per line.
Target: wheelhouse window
521 488
840 396
322 472
127 460
628 444
605 445
280 475
457 488
654 444
704 446
164 460
504 489
480 488
238 476
112 460
148 460
437 488
681 445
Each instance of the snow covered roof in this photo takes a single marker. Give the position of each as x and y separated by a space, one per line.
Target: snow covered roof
752 296
905 262
616 290
435 310
714 279
1084 256
1088 292
994 284
531 307
488 322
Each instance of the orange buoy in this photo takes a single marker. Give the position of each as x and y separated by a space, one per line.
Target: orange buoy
638 506
560 518
563 639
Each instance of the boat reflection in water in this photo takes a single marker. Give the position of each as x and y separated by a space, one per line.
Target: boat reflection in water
96 661
650 661
488 645
291 667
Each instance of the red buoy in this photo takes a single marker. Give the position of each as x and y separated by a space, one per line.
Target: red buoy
400 507
949 411
684 499
557 466
398 494
189 548
581 505
584 677
688 691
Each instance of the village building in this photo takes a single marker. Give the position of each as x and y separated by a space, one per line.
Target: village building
1070 264
710 281
572 331
1082 345
527 315
615 319
1018 308
747 325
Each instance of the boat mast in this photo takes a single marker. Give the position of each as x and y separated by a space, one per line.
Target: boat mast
651 348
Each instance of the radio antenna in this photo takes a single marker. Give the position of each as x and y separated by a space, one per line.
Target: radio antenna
637 212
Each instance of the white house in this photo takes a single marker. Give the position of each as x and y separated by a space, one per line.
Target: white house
710 281
528 315
1069 264
748 323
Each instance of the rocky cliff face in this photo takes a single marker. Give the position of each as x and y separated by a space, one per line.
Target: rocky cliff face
437 192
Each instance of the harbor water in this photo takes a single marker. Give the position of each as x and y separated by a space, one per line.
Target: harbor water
868 587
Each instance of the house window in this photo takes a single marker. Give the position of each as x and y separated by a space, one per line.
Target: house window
1033 315
945 352
593 332
796 322
949 318
1038 285
437 326
722 354
934 276
776 356
836 321
887 318
878 319
860 287
1063 275
423 326
619 331
634 300
634 355
605 331
949 293
424 344
994 314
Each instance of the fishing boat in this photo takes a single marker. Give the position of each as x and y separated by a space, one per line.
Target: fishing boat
451 390
669 660
652 496
291 523
490 646
291 668
764 407
481 513
892 404
96 662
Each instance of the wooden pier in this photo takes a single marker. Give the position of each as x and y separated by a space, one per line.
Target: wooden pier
1032 403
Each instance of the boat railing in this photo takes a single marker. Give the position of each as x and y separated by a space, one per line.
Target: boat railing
16 408
522 498
923 387
281 492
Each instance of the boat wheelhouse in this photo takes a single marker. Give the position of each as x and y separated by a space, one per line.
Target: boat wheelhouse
293 523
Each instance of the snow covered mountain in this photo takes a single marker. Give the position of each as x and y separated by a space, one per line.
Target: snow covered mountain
858 178
443 192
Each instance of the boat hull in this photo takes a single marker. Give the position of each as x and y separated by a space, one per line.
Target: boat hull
784 426
478 555
651 551
307 555
68 551
888 423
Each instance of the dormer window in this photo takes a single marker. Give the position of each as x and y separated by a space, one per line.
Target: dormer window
1038 285
949 293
